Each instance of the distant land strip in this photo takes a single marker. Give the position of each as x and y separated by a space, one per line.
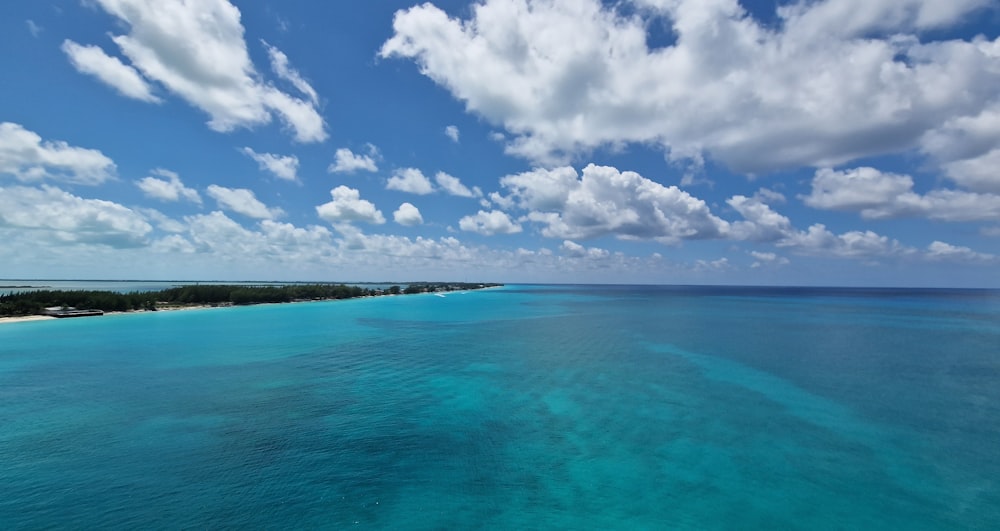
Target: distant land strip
52 302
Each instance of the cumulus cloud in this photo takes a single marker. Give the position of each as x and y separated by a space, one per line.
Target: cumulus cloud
575 250
572 248
410 180
169 189
451 132
453 186
283 167
346 161
242 201
27 157
832 81
606 201
489 223
269 242
173 244
941 251
977 173
347 206
214 75
761 223
875 195
762 259
162 221
865 245
92 60
968 148
719 264
315 248
60 217
863 189
407 215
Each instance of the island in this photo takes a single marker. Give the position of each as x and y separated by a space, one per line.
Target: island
79 303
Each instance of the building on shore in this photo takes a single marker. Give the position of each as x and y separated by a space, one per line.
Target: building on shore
69 311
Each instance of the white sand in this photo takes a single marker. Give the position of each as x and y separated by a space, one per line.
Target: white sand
23 318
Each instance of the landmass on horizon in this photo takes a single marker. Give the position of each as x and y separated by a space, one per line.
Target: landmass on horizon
81 303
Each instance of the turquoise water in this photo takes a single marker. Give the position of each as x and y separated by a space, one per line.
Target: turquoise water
525 407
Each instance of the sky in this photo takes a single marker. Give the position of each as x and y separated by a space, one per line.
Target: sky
819 142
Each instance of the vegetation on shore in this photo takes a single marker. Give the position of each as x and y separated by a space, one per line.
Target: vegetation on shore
35 302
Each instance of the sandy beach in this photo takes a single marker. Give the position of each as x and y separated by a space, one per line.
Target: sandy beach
23 318
26 318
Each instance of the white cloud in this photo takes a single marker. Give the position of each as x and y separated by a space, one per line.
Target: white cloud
169 189
410 180
858 189
407 215
283 167
347 206
770 196
173 244
764 259
271 242
452 185
489 223
719 264
981 172
857 18
109 70
941 251
33 28
346 161
968 147
282 68
831 81
451 132
162 221
606 201
761 223
575 250
572 248
295 243
51 214
196 50
865 245
384 255
429 257
876 195
24 155
242 201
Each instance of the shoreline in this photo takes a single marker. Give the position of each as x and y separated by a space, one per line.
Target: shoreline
180 308
25 318
29 318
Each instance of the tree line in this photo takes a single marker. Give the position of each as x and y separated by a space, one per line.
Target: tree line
35 302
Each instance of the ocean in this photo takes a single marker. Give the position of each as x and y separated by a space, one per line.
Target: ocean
523 407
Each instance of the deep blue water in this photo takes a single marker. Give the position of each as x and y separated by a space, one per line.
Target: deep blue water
527 407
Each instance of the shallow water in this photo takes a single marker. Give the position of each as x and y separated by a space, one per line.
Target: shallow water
522 407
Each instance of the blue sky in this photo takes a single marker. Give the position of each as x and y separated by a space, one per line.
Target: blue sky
836 142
